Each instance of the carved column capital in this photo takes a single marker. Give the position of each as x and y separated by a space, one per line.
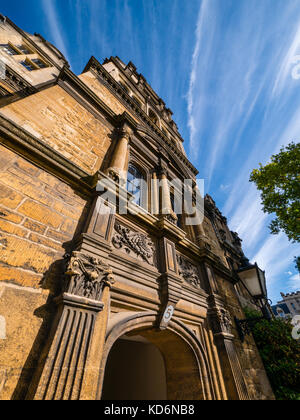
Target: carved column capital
87 276
221 321
124 134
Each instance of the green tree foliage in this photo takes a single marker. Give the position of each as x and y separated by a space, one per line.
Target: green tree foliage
279 183
280 354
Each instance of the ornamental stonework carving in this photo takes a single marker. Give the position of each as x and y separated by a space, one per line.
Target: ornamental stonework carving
222 321
133 243
88 276
189 272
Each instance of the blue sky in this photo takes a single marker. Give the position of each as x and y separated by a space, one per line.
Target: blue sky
225 69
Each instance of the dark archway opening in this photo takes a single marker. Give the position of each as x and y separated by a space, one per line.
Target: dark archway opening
135 370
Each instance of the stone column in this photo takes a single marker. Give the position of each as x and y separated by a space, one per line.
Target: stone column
119 158
199 232
165 196
70 362
166 204
198 227
68 357
155 195
233 375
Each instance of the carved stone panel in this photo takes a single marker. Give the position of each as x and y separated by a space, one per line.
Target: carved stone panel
189 272
134 244
87 276
221 321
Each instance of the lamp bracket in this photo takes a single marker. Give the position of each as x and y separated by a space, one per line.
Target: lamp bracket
245 326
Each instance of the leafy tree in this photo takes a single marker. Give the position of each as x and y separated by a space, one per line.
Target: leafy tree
280 354
279 183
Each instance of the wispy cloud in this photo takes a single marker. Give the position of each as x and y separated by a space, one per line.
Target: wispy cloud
294 283
55 27
240 112
196 103
284 73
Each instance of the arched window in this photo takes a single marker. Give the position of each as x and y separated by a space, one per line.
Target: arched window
135 183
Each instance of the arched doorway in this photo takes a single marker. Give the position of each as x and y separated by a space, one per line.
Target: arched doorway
184 361
135 370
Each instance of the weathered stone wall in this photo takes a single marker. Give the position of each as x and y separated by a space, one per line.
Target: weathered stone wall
104 94
256 378
39 215
57 119
212 239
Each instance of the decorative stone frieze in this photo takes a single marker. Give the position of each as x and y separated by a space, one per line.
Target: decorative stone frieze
136 243
189 272
87 276
17 83
222 321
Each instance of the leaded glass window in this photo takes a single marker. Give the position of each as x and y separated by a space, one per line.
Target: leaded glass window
135 184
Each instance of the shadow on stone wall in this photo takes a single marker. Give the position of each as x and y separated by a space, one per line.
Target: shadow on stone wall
52 281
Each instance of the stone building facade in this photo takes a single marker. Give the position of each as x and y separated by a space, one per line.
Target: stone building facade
289 306
95 304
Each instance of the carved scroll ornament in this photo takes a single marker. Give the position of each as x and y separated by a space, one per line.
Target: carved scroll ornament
138 243
189 272
88 276
222 321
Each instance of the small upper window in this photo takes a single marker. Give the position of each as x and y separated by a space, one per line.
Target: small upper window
28 65
153 117
124 87
136 101
39 63
135 182
24 49
9 50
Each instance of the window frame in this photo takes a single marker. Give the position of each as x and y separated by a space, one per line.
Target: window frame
33 60
143 198
24 46
156 122
35 66
28 65
7 46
